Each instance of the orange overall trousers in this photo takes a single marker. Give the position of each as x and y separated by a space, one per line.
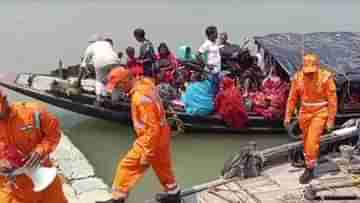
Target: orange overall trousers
153 141
318 109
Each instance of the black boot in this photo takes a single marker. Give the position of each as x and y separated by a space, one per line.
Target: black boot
111 201
168 198
307 176
298 164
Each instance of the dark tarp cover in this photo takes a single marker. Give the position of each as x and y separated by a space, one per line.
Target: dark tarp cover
340 51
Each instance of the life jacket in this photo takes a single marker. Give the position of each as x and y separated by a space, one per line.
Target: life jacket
37 108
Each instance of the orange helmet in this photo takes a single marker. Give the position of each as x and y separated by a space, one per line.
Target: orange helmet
117 76
311 63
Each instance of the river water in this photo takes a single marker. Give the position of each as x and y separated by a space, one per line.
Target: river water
35 34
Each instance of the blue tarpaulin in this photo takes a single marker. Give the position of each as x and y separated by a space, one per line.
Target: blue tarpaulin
199 97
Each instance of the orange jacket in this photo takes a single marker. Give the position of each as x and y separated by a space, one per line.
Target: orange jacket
149 117
20 129
318 96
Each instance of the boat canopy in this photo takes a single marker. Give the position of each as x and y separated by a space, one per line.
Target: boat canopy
340 51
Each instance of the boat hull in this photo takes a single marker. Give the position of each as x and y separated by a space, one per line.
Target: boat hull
23 84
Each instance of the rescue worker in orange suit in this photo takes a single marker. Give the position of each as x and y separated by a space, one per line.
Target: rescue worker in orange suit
152 145
315 88
35 132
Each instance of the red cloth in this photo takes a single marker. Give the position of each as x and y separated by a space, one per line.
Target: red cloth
229 104
270 101
11 154
136 69
169 75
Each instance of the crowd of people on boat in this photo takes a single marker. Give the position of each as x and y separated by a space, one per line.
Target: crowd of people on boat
220 78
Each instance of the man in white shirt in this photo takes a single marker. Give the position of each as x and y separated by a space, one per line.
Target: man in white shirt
210 49
101 55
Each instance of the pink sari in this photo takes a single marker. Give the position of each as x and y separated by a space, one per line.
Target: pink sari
270 101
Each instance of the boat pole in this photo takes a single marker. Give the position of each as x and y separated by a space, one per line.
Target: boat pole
61 69
199 188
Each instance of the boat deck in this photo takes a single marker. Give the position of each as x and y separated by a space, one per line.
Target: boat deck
280 184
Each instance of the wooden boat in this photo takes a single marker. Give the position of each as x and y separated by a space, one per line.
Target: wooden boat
39 88
268 176
335 49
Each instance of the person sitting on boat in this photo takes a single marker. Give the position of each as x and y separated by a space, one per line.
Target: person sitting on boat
229 53
166 62
250 74
146 53
28 129
223 41
101 55
199 97
229 104
184 53
180 78
137 69
270 101
152 145
187 63
315 88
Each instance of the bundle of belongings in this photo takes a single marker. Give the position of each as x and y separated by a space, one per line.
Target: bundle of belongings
270 101
229 104
199 97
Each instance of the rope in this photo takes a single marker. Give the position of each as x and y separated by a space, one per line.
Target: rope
356 180
180 127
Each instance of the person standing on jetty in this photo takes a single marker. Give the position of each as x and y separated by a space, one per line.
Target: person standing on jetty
316 89
152 145
33 133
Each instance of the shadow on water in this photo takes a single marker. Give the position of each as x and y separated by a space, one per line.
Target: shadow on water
198 157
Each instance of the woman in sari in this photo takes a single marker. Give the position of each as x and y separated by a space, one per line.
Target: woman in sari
270 101
166 62
229 104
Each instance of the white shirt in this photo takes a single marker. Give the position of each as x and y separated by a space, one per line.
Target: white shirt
100 54
213 54
261 63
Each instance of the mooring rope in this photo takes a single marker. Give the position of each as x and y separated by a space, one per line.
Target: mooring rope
180 128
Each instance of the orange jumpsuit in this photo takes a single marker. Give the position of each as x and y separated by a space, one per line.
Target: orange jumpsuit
318 108
20 129
153 140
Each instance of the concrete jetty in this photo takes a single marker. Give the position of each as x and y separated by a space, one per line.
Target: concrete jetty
81 183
